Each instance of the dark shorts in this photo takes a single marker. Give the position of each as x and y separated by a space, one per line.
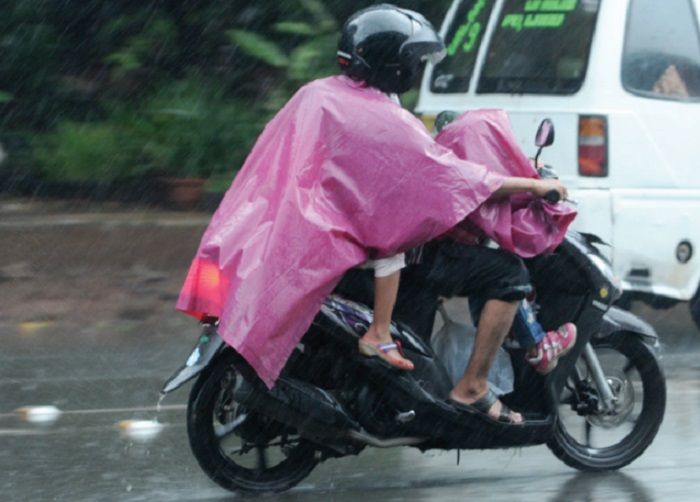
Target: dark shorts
447 269
453 269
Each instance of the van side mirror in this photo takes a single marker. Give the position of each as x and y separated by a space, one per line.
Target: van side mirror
545 134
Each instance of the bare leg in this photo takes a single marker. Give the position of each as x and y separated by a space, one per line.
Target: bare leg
495 321
385 292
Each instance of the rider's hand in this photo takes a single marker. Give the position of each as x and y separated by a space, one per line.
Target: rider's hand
542 187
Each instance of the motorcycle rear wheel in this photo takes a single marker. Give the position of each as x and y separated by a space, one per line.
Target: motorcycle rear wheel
214 419
645 423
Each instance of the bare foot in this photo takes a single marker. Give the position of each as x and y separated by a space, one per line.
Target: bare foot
376 344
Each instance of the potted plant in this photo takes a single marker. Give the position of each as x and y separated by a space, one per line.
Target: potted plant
194 132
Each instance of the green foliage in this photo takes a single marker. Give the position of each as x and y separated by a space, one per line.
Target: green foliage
83 152
259 47
106 90
185 129
294 28
192 129
314 57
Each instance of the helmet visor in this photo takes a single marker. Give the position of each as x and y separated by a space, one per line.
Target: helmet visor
434 57
424 44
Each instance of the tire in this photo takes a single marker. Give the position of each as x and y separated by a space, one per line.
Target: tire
210 407
586 457
695 308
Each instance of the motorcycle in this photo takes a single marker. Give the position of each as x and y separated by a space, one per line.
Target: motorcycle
331 402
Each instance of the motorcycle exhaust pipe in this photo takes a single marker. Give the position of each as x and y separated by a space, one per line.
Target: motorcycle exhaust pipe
313 411
371 440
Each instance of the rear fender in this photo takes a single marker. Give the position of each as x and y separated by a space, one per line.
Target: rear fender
208 346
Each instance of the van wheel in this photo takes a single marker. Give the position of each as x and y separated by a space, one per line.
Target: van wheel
695 308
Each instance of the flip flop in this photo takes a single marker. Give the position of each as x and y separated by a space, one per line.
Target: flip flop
482 406
381 350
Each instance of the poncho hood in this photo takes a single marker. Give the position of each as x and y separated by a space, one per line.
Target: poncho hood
340 174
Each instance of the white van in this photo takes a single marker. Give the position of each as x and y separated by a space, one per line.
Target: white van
621 81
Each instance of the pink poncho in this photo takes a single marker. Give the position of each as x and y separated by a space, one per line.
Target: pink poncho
340 174
522 224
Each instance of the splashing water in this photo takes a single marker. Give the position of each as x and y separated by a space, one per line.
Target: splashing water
159 405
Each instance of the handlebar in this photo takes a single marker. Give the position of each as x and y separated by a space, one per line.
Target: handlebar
552 196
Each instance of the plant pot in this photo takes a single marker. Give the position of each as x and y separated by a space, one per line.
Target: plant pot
183 193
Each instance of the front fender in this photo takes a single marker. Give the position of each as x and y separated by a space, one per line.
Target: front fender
616 320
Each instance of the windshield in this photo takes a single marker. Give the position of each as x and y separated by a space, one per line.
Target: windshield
540 47
462 41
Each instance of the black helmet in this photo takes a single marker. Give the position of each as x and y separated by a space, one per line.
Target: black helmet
385 47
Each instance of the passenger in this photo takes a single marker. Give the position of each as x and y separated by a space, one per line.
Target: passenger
378 341
671 83
542 348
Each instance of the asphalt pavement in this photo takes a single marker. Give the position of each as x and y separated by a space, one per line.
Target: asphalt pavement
89 335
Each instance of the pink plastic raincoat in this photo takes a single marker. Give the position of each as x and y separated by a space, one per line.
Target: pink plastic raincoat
522 224
340 174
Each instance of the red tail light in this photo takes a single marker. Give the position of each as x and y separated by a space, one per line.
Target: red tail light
593 145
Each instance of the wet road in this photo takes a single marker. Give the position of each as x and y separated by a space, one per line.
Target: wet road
99 381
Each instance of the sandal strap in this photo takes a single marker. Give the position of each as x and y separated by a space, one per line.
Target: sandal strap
482 406
484 403
386 347
505 415
399 347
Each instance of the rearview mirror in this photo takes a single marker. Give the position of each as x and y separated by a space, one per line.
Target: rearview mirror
545 134
443 118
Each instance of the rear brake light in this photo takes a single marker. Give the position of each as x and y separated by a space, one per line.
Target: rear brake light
592 145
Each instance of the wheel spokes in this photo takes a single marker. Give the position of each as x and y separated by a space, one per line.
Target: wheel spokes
221 431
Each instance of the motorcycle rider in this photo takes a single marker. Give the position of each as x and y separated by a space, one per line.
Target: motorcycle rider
327 187
375 48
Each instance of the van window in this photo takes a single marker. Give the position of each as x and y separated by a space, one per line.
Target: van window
662 50
540 47
463 38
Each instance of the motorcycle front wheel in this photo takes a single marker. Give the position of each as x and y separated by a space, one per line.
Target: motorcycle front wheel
590 439
239 449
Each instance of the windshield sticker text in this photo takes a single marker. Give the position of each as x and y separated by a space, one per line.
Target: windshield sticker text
470 31
550 5
540 14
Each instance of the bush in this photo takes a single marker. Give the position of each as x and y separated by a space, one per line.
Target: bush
186 129
84 152
192 130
